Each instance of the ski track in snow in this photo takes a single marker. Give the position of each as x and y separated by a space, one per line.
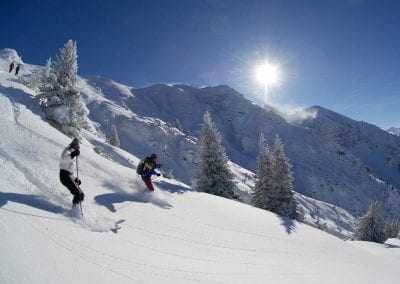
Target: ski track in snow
75 248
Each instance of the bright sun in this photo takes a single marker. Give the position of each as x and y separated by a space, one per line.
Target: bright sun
268 74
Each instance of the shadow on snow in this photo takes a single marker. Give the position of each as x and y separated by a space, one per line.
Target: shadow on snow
30 200
288 223
109 199
172 188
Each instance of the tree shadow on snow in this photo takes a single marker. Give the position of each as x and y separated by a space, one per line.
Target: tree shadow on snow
288 223
30 200
109 199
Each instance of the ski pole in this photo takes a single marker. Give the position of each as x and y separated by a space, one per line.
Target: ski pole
77 169
77 177
80 206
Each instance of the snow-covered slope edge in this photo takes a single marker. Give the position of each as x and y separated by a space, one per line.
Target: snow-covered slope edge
170 236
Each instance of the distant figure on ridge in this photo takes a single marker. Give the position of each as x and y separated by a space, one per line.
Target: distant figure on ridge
147 168
67 169
11 67
17 69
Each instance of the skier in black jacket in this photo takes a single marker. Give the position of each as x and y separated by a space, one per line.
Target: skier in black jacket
67 169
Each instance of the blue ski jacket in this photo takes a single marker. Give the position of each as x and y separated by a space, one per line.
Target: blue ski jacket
149 168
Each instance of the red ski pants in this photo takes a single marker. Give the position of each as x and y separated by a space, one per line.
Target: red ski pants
148 183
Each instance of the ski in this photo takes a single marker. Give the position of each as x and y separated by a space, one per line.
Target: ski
117 226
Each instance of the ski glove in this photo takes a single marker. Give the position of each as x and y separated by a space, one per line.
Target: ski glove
77 181
78 198
158 174
81 196
75 153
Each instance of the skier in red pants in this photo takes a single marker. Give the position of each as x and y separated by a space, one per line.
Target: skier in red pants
149 169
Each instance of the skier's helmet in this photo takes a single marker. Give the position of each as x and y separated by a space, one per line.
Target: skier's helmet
74 142
153 156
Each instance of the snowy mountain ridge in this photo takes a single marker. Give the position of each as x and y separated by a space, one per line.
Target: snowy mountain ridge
171 235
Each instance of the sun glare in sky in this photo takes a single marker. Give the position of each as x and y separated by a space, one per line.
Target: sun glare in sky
268 74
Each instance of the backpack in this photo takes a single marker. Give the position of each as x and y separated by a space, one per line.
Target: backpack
140 167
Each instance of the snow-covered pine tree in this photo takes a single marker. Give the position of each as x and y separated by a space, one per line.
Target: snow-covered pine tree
60 98
45 80
371 226
38 80
46 85
178 125
281 197
214 175
114 139
263 187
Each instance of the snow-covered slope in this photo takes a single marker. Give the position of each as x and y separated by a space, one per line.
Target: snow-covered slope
173 235
361 162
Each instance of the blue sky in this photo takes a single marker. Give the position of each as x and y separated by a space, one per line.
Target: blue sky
341 54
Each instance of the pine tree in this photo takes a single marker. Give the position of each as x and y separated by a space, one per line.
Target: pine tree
66 66
178 125
263 186
281 197
371 226
114 139
60 98
214 175
46 85
39 82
